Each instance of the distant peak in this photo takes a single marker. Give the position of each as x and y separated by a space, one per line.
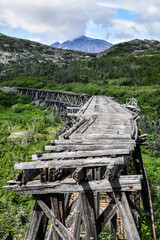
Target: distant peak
85 44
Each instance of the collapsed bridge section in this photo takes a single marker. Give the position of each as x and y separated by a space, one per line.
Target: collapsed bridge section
98 156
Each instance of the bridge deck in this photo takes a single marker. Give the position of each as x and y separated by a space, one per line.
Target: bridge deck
104 135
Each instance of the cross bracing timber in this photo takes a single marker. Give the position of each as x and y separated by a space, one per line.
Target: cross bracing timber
59 100
91 158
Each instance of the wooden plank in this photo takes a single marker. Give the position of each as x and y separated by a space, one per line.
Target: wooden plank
73 128
60 148
89 216
66 163
59 227
126 215
124 183
92 142
82 154
102 136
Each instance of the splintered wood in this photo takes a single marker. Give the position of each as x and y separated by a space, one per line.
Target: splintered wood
87 161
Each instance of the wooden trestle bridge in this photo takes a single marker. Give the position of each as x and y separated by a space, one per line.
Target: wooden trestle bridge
98 157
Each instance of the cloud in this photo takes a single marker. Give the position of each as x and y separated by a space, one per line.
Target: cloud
102 16
59 20
147 23
123 35
52 19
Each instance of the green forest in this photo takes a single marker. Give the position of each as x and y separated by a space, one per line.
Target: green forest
117 73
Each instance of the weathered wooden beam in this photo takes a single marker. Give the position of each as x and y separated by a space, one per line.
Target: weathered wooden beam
78 219
55 209
89 216
93 141
70 220
93 147
79 174
29 174
73 129
82 154
106 216
67 163
124 183
38 223
118 167
126 215
58 226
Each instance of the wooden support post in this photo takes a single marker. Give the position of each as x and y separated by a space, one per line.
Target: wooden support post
56 211
126 215
79 174
113 227
97 176
67 198
38 223
51 175
78 219
89 215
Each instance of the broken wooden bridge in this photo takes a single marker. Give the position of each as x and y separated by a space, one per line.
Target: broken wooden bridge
98 157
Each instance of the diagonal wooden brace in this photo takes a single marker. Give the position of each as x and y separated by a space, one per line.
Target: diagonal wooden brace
58 226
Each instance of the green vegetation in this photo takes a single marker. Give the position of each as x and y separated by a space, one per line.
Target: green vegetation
39 127
127 70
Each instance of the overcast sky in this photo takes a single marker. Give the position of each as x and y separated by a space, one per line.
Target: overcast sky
48 21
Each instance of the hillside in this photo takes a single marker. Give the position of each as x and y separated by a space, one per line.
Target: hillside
84 44
124 70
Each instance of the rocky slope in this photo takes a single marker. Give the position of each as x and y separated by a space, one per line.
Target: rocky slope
84 44
13 49
132 47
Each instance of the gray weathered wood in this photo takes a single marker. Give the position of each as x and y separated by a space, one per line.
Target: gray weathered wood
106 216
93 141
56 211
58 226
60 148
38 224
82 154
89 216
126 215
78 219
67 163
124 183
79 174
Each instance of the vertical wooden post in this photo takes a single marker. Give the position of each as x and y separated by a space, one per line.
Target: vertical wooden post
89 216
57 206
78 220
97 176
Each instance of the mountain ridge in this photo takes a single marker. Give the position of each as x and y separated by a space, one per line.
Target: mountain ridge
84 44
